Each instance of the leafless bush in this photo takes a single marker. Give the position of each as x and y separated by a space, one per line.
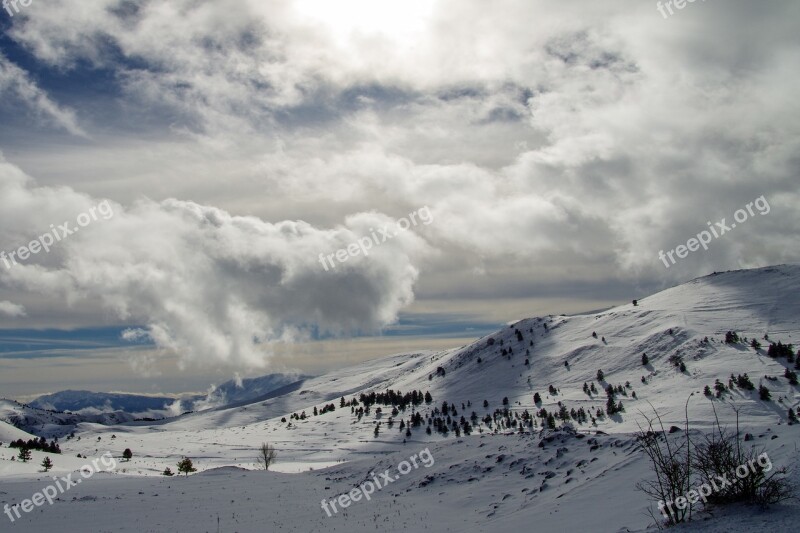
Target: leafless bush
749 476
266 455
669 459
719 464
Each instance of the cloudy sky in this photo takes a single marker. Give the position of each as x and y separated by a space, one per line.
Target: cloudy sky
210 151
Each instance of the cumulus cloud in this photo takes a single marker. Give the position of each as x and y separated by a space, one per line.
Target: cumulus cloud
210 286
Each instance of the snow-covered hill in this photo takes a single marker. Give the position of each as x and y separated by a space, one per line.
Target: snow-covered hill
506 472
9 433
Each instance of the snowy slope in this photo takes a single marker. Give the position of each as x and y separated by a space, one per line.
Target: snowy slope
562 353
708 307
10 433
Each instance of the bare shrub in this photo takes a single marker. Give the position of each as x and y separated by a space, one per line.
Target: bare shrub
722 453
669 460
719 461
266 455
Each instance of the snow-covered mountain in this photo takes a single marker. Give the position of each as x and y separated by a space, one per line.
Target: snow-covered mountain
231 392
78 401
245 390
47 423
496 469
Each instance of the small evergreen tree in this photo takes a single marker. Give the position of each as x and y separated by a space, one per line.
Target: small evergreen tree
645 359
763 393
24 455
743 382
186 466
167 472
47 464
536 398
600 375
127 454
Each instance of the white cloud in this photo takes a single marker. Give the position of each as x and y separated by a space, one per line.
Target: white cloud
552 142
210 286
16 86
11 309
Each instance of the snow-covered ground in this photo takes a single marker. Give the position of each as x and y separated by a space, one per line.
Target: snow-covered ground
496 478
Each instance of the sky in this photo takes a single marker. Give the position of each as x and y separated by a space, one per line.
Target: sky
176 178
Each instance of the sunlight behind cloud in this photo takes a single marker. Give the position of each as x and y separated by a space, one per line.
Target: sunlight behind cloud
400 22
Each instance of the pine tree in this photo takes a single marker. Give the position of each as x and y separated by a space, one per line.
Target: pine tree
600 375
167 472
127 454
645 359
47 464
763 393
186 466
24 455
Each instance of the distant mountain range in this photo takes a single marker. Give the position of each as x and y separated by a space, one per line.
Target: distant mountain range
68 408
